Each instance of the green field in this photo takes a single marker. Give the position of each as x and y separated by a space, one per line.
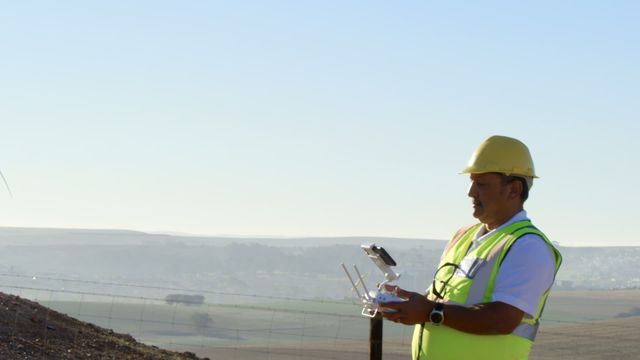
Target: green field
298 323
277 323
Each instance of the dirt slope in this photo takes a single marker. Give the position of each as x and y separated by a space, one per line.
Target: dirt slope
31 331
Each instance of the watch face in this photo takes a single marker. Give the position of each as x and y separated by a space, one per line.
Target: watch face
436 317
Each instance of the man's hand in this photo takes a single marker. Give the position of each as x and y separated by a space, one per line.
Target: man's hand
413 311
494 318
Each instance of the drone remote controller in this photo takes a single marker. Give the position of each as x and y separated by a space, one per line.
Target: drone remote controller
373 301
382 297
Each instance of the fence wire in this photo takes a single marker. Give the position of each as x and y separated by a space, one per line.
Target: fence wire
238 326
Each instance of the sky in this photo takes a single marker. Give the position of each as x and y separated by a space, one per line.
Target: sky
315 118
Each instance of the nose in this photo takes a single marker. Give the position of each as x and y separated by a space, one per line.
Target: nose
473 190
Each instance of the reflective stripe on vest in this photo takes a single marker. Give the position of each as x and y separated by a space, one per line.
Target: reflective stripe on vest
478 293
527 331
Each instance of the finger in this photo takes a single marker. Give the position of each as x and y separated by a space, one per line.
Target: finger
391 288
398 291
396 305
392 316
405 294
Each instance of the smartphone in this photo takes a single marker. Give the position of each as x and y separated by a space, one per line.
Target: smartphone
383 254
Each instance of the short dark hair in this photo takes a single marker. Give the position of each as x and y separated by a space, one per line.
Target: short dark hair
524 195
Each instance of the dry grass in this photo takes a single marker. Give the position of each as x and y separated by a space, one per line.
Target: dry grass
617 339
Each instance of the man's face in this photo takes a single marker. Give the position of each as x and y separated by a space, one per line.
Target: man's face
491 199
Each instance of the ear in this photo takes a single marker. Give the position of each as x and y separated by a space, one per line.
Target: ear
515 189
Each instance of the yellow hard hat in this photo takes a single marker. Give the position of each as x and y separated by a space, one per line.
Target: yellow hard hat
504 155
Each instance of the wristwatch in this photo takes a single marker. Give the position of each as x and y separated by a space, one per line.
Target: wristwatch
437 314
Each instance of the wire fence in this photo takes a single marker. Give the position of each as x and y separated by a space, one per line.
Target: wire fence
241 326
219 325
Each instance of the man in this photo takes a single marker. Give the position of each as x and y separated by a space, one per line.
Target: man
494 277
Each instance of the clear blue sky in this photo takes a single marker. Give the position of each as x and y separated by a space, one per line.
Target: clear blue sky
315 117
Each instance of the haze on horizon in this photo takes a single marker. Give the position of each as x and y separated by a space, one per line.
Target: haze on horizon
315 119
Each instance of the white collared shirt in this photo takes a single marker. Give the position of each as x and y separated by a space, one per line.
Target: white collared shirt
526 272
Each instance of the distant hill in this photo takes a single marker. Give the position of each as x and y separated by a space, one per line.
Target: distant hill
296 267
53 236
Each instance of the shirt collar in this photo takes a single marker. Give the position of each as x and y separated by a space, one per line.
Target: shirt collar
481 234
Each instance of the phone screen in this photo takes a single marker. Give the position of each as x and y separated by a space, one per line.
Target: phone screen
384 255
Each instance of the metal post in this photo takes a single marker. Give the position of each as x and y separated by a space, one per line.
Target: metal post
375 338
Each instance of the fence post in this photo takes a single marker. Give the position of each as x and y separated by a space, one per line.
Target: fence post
375 338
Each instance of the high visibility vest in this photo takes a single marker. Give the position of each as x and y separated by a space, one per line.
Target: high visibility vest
475 285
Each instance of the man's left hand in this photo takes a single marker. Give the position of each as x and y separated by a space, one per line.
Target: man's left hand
413 311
